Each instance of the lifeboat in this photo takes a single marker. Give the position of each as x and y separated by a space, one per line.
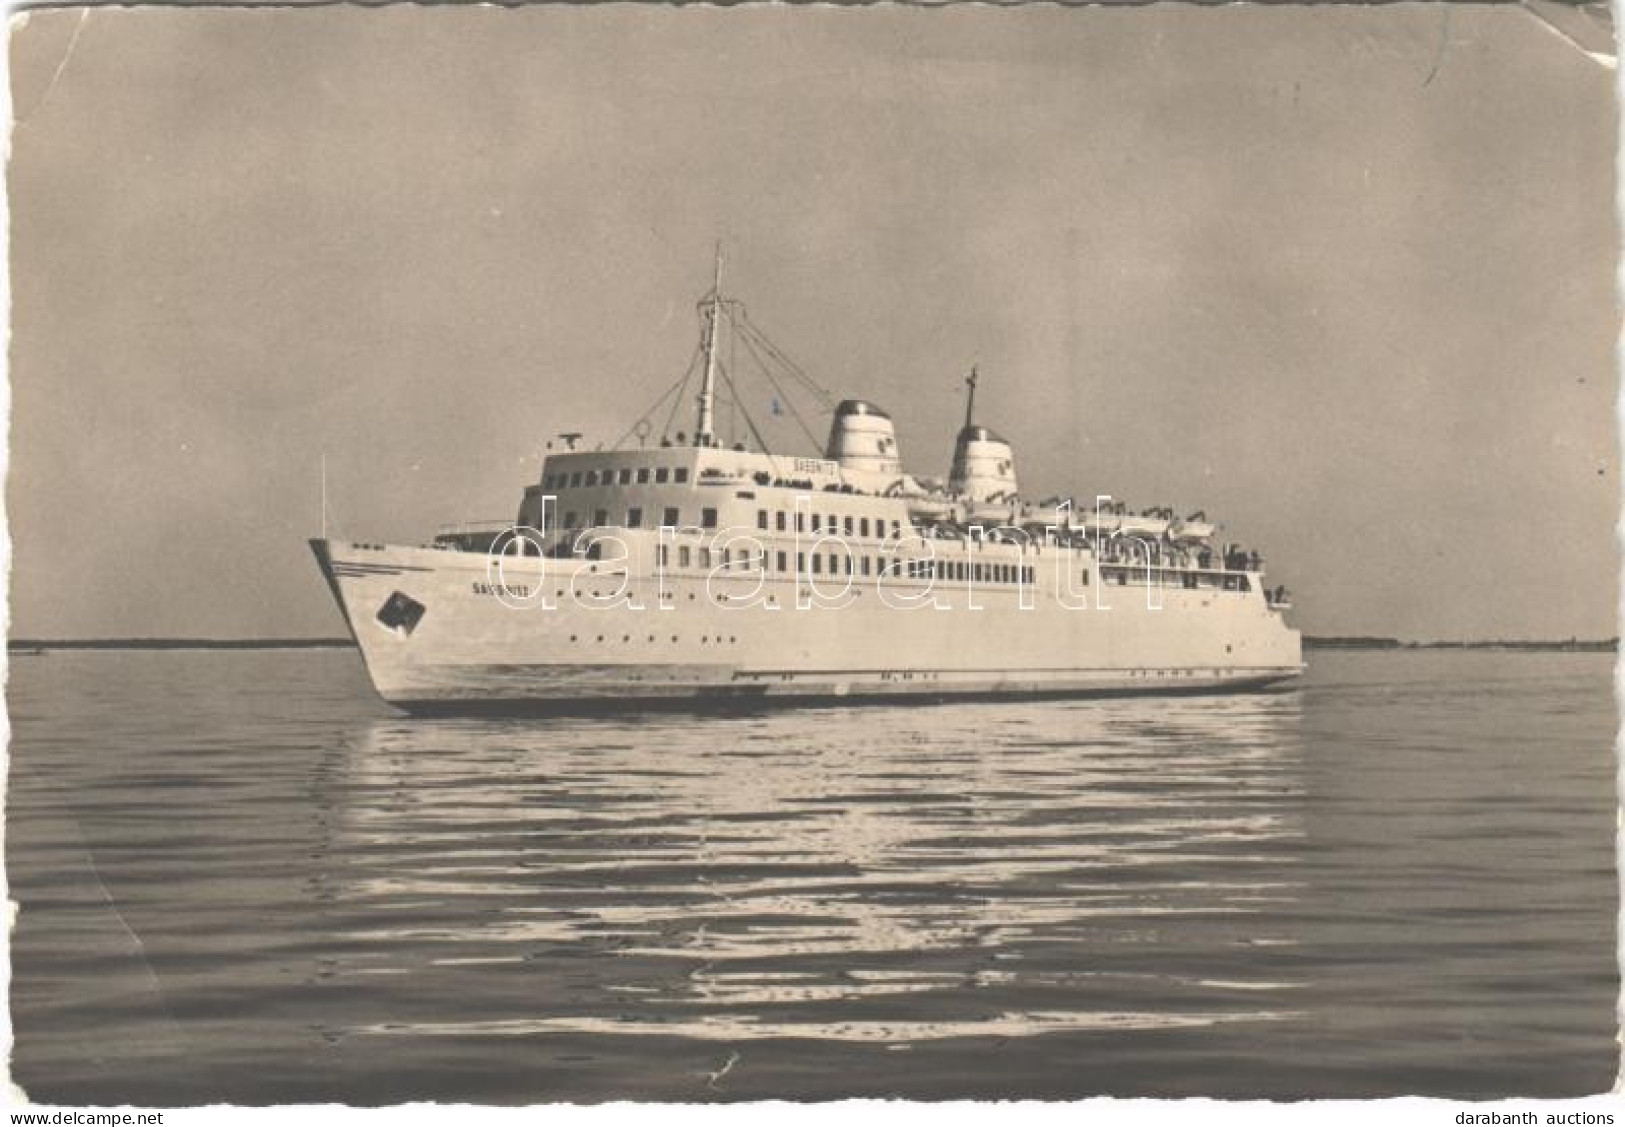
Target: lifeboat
1131 525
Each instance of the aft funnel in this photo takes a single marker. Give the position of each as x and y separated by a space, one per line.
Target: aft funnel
984 466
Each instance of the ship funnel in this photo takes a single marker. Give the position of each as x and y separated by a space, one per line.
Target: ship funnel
862 438
984 466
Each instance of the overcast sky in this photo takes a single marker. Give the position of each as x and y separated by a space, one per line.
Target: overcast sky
1343 277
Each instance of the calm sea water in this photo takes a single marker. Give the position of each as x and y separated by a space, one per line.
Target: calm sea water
240 878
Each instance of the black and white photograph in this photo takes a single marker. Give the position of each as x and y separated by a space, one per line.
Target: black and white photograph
575 554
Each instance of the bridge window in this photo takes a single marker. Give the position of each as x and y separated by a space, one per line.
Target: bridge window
708 518
592 477
784 563
778 520
680 474
634 518
818 561
761 519
600 516
684 557
575 479
863 526
643 475
569 520
626 477
671 519
661 473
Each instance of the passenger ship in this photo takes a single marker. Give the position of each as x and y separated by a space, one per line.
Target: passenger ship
696 572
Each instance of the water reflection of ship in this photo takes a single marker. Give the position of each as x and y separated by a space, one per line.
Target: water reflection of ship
758 877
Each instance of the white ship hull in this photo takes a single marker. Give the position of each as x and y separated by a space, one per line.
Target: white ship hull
685 640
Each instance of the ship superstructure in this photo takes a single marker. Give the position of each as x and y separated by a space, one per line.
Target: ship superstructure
693 571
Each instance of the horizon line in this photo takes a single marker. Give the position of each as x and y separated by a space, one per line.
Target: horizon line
341 642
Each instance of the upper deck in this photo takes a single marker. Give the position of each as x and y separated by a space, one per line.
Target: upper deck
680 465
859 490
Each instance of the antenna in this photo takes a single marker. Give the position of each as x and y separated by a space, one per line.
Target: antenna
702 433
324 495
970 400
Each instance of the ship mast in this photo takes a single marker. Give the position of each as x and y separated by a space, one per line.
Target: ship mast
970 400
703 432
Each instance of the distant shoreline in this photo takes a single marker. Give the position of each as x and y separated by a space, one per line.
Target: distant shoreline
1565 645
22 644
1310 642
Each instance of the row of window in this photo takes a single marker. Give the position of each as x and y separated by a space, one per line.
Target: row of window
705 639
836 563
642 475
1163 577
845 526
634 518
779 521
